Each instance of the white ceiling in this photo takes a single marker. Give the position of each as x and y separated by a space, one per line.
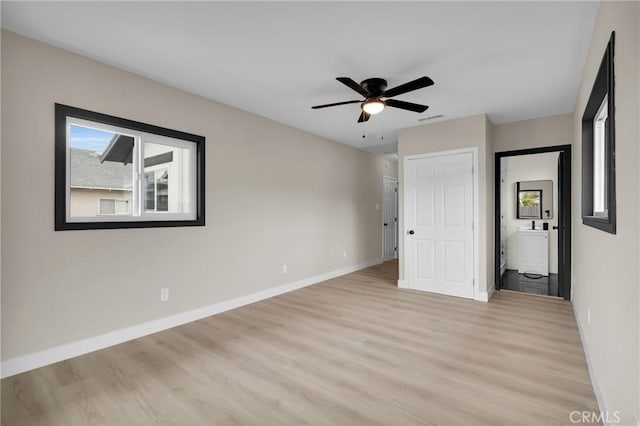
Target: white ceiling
512 60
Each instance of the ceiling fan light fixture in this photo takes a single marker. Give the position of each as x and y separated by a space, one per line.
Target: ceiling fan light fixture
373 106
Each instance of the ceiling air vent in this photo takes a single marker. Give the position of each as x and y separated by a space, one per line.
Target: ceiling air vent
433 117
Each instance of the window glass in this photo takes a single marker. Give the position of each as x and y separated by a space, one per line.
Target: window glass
168 187
599 155
103 166
107 206
94 175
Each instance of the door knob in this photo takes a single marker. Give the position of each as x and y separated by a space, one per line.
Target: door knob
555 227
385 224
410 232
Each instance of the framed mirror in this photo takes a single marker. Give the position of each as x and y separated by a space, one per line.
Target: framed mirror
534 199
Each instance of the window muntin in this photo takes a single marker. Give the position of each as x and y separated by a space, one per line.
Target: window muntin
101 165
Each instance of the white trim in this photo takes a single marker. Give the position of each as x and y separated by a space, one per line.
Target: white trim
484 296
476 212
403 284
28 362
396 223
602 405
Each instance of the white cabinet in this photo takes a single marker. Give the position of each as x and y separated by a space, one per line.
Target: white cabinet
534 251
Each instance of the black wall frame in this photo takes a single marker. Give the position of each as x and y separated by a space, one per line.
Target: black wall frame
564 213
61 223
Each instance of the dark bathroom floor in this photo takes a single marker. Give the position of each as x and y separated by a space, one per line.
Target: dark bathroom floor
512 280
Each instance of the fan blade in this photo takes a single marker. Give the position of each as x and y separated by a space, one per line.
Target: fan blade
336 104
353 85
416 84
406 105
363 117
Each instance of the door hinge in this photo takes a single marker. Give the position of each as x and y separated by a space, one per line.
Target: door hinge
395 189
473 282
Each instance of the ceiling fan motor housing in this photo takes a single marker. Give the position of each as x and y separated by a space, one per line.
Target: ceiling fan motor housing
375 86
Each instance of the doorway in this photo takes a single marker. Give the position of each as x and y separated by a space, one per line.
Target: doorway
440 209
533 221
389 218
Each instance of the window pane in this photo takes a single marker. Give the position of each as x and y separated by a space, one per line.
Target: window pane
100 168
122 207
169 167
107 206
162 190
599 168
149 192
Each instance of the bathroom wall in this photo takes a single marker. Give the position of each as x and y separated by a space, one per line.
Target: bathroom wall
525 168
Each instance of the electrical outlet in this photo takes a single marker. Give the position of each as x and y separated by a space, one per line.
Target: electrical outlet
589 315
164 294
344 254
284 269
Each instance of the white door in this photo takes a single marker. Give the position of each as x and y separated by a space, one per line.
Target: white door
439 224
390 218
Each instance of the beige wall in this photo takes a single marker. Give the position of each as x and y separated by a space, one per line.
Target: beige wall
606 266
448 135
546 131
526 168
275 195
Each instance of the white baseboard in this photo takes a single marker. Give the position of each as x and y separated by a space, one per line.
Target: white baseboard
28 362
403 284
592 373
484 296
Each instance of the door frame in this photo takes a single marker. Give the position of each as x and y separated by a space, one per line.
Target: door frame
477 294
564 213
397 222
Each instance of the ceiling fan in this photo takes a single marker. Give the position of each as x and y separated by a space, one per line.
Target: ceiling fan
374 89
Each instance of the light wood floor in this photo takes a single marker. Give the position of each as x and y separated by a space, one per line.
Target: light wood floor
354 350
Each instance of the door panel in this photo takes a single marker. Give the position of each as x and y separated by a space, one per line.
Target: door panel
454 255
426 208
454 205
426 250
439 211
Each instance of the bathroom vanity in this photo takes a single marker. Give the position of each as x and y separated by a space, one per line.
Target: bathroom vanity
534 251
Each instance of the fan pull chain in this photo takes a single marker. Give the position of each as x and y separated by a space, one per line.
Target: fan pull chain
364 128
382 132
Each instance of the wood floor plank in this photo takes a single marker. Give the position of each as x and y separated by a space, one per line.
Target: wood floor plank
354 350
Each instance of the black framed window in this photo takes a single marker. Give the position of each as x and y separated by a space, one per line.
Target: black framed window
598 148
117 173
